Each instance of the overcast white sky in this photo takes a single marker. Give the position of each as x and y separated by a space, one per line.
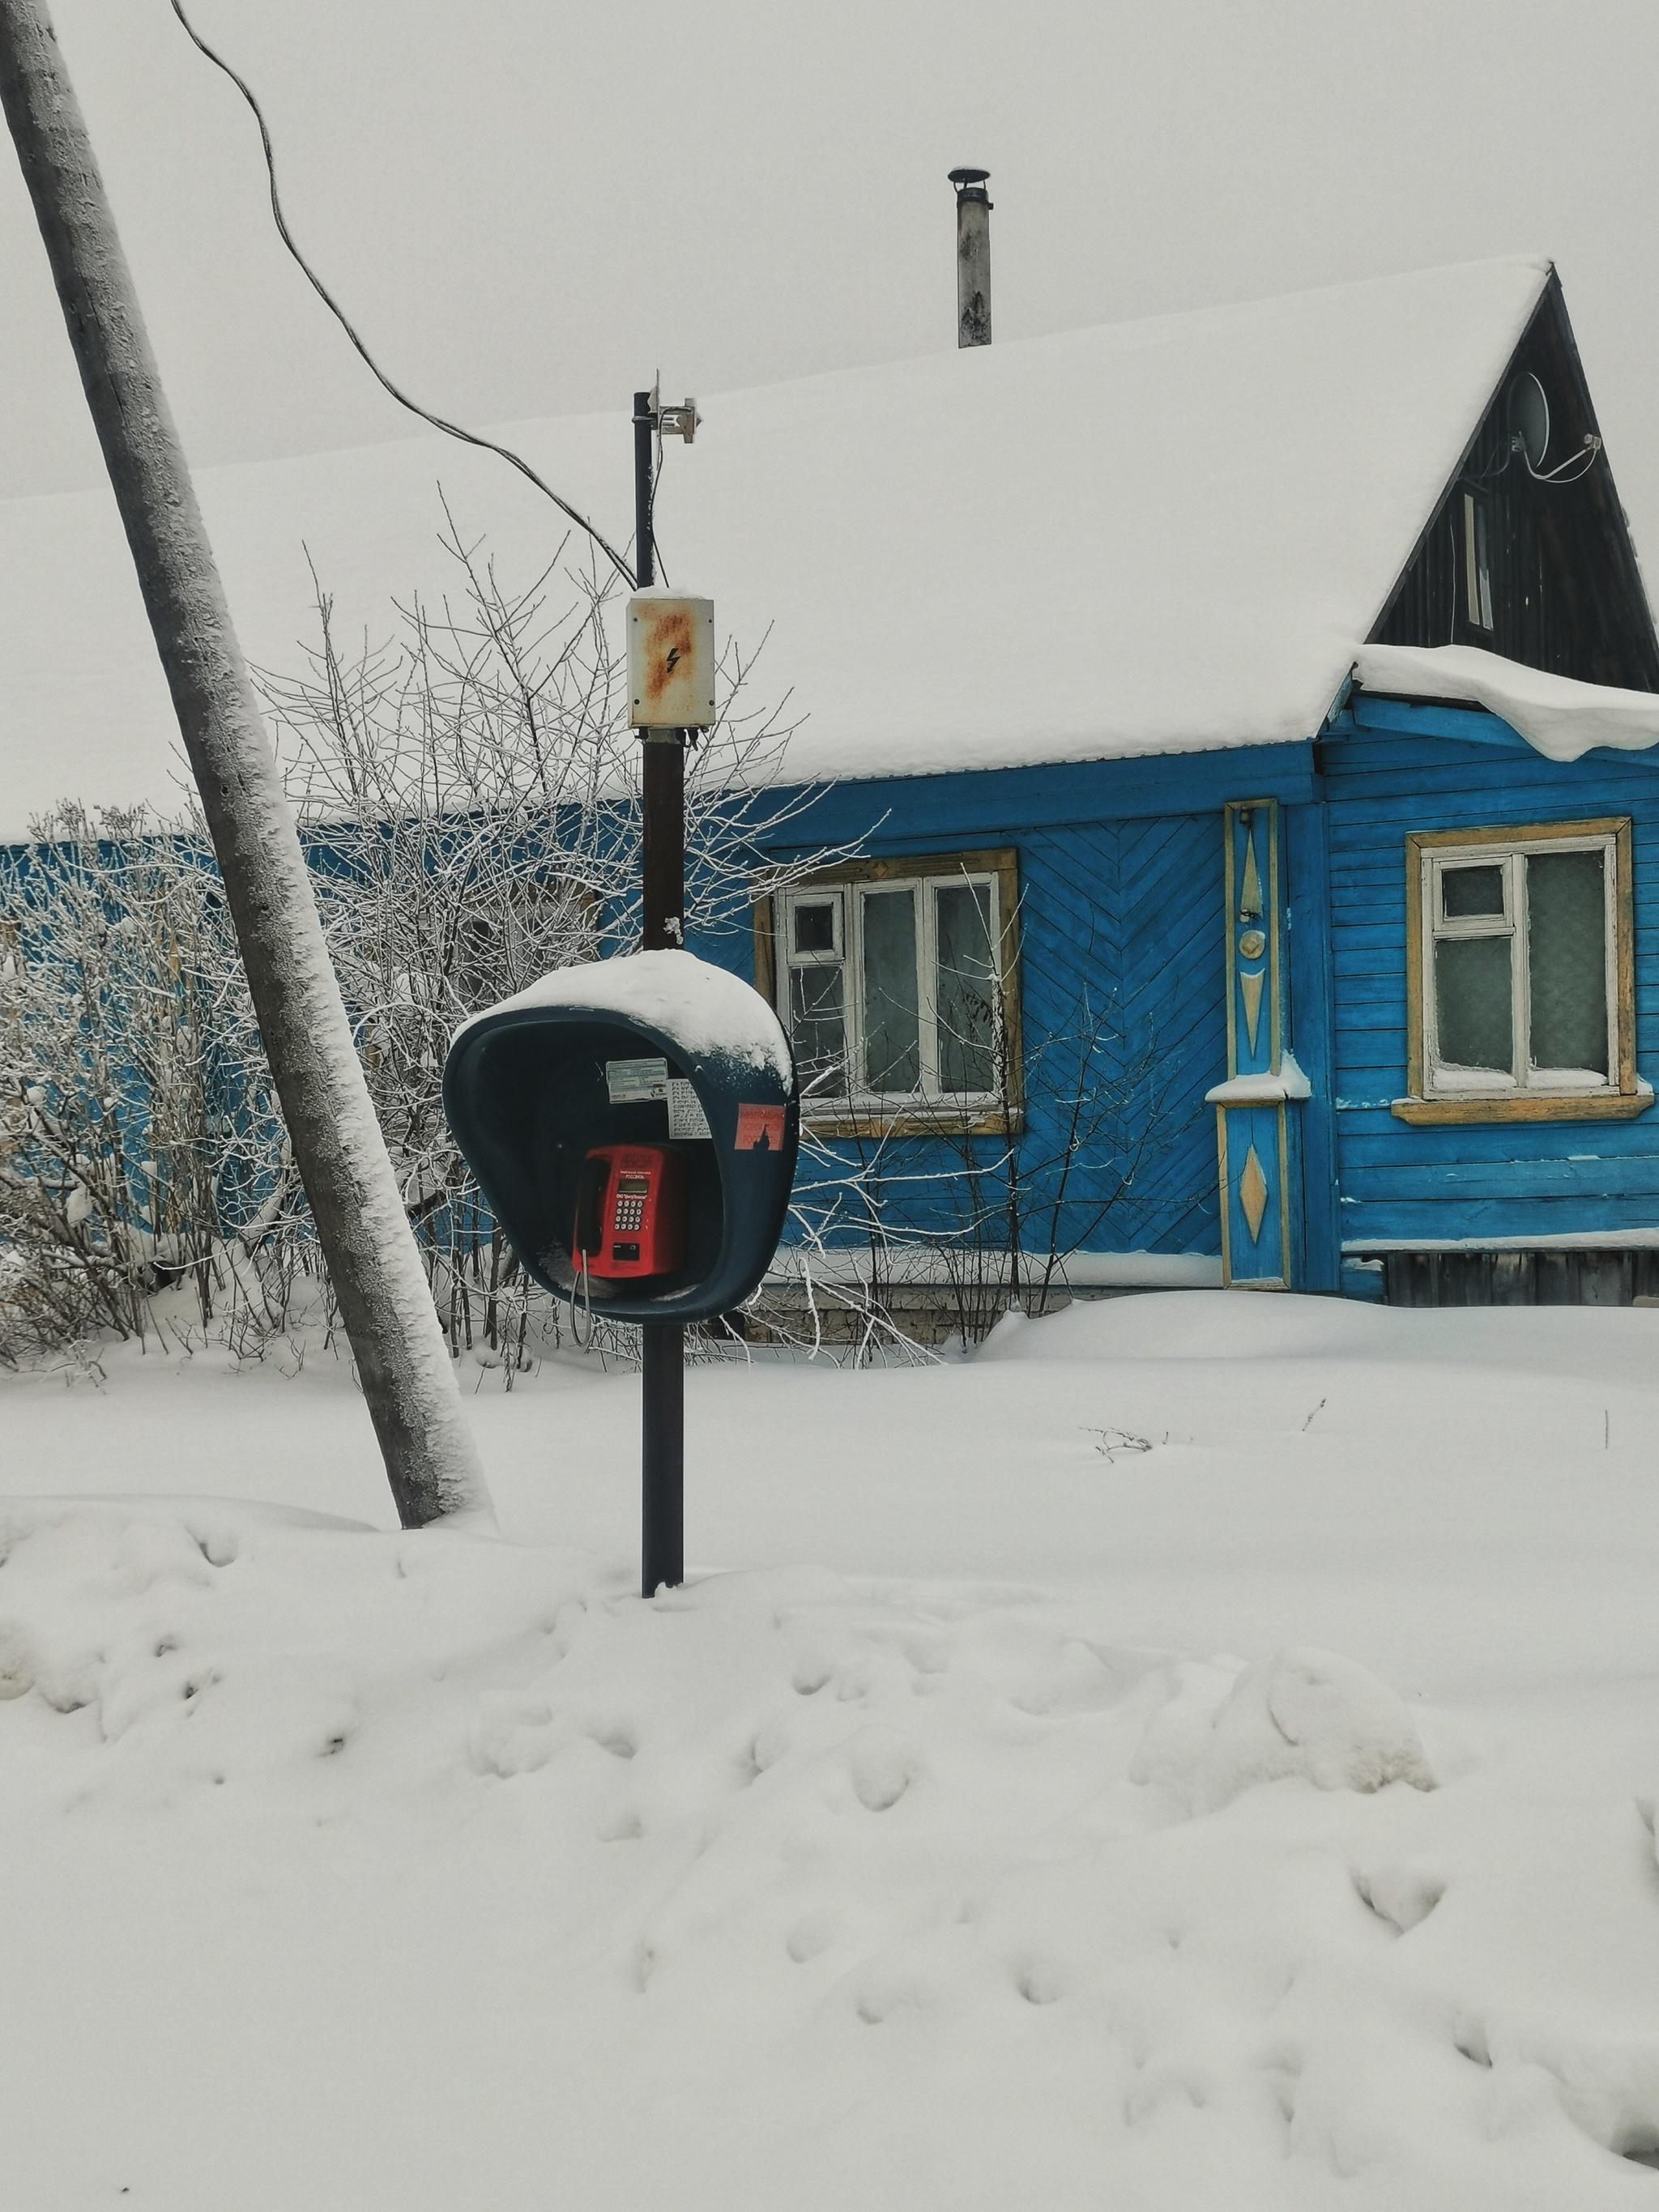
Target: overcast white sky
528 206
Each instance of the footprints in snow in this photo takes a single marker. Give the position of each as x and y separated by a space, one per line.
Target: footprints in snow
1402 1895
881 1764
1039 1982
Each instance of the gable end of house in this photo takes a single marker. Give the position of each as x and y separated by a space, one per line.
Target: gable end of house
1529 553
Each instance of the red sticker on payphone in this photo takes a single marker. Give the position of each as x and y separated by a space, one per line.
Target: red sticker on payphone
760 1129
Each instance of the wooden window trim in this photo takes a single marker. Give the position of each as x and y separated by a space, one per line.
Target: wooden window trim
1545 1106
1003 1117
1621 1102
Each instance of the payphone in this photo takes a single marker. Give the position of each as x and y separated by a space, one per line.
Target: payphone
632 1124
630 1213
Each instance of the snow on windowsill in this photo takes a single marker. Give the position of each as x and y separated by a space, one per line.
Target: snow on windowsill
1557 716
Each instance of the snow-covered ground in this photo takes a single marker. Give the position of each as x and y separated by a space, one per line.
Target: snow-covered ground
1027 1802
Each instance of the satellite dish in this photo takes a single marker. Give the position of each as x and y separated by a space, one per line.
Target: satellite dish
1529 415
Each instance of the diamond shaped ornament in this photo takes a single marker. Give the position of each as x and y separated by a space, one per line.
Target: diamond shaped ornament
1253 1194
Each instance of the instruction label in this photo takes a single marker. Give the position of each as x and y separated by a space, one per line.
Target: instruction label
686 1120
636 1082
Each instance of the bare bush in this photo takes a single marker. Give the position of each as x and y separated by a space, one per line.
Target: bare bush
468 795
978 1213
139 1135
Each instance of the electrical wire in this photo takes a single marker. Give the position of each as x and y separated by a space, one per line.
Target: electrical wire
1581 461
437 422
1586 459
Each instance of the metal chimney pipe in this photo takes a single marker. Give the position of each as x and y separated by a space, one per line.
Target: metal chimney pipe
973 257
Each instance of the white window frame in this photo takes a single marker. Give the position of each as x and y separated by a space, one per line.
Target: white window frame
1443 1091
829 895
927 1104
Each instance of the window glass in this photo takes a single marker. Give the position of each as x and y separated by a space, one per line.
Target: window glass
815 926
1517 941
892 1029
1466 891
966 998
817 1023
1476 564
891 987
1472 1002
1566 960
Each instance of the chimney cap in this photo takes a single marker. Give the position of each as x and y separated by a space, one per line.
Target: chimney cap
961 178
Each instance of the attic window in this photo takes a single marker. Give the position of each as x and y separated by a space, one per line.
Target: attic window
1477 563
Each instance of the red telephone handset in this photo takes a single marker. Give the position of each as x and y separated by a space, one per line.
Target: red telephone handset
630 1213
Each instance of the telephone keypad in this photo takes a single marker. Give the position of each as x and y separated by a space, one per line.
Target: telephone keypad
630 1214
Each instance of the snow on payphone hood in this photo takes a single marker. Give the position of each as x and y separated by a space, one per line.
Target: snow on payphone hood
704 1009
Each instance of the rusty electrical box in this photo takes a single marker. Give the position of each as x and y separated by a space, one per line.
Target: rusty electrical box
670 661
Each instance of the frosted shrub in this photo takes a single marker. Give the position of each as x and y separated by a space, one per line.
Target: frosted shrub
953 1228
138 1129
468 794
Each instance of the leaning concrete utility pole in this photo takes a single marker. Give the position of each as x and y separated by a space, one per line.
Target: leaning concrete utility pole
402 1360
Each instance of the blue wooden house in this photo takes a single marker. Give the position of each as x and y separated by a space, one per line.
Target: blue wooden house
1319 794
1241 728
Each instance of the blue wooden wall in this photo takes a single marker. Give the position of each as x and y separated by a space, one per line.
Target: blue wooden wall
1131 912
1392 768
1120 886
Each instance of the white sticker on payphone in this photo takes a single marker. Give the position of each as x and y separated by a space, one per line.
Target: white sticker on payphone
636 1082
686 1119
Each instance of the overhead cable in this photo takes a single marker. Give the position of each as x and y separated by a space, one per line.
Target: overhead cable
437 422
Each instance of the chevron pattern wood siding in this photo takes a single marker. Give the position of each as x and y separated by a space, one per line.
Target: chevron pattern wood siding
1130 913
1120 932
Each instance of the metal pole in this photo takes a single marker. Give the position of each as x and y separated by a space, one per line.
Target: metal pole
645 551
662 1367
662 1456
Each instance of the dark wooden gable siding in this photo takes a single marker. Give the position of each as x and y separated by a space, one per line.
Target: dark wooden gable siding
1566 590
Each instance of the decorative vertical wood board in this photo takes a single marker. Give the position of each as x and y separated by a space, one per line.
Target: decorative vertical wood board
1252 1144
1255 920
1253 1150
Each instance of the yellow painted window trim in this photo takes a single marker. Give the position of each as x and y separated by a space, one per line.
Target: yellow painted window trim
1620 1101
1524 1106
949 1121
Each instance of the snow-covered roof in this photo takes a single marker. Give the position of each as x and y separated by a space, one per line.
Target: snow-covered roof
1151 537
1559 717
